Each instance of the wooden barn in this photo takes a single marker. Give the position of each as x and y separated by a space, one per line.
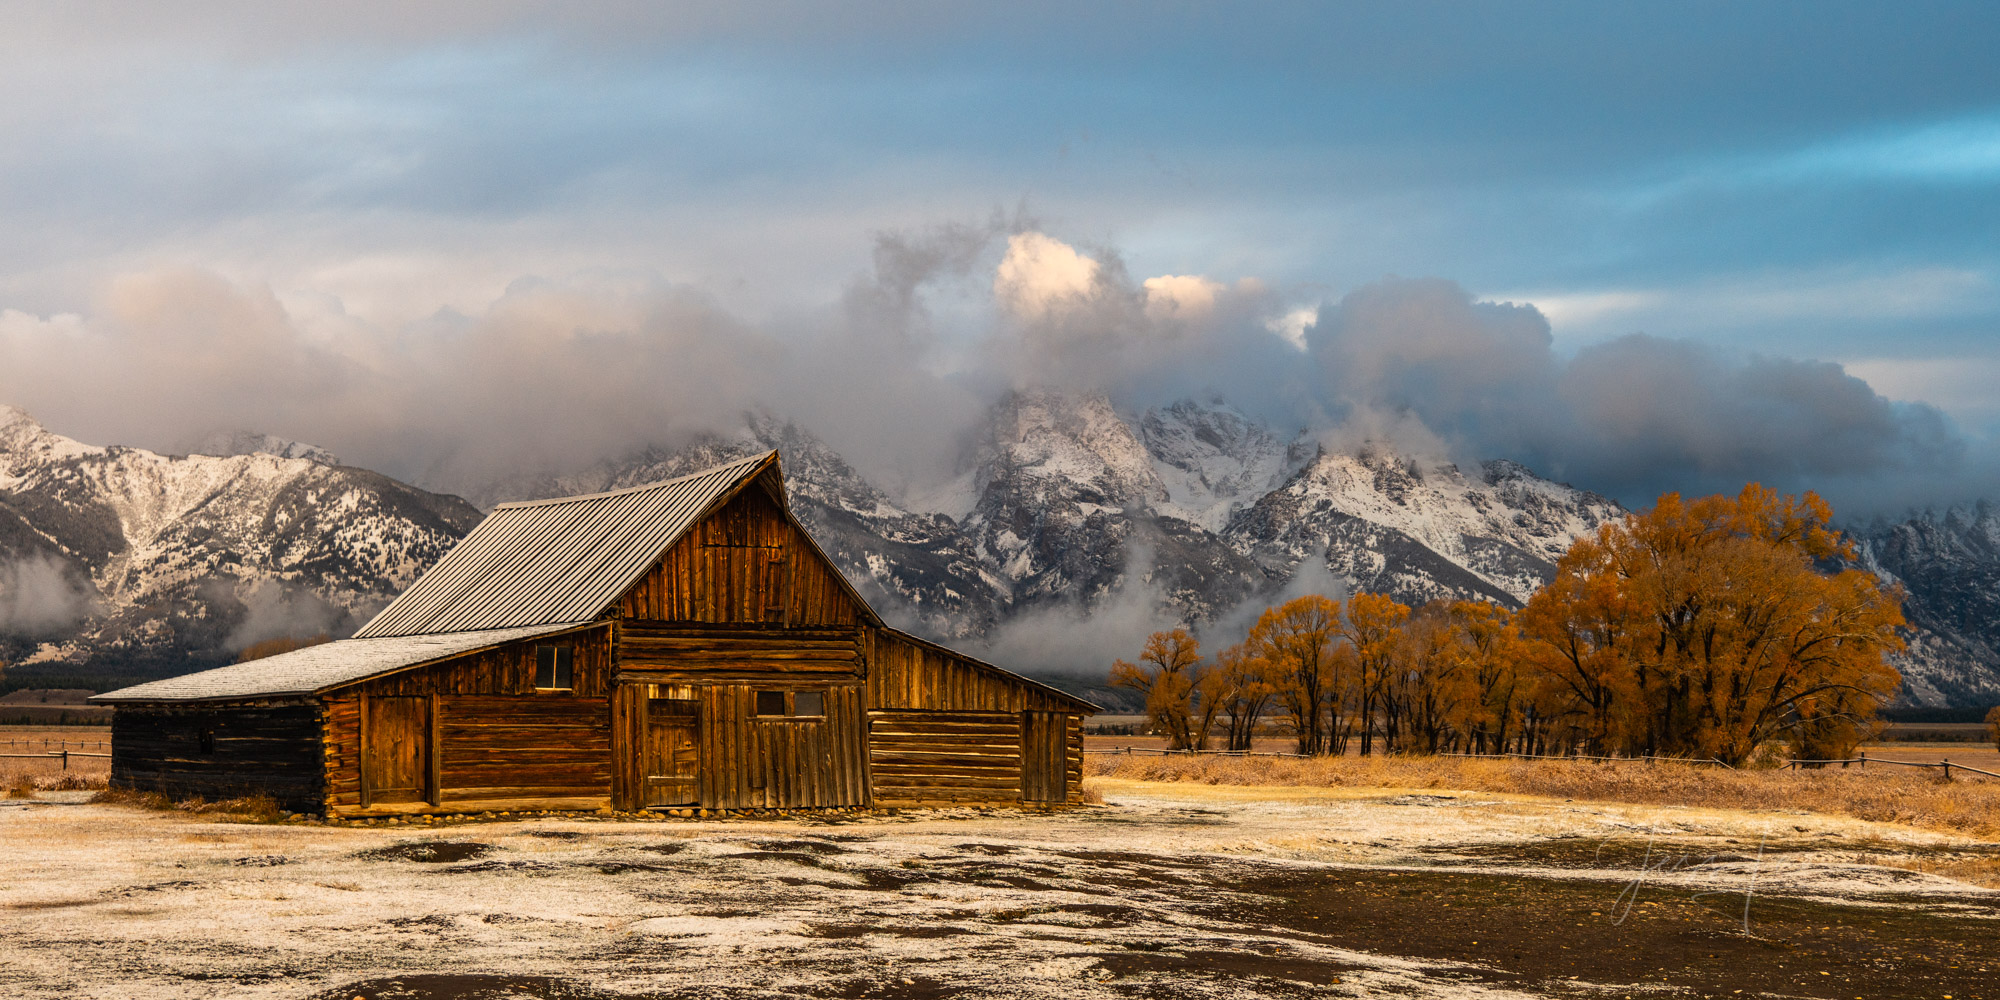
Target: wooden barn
679 645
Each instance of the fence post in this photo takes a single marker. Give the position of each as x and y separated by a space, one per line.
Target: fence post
1947 769
65 754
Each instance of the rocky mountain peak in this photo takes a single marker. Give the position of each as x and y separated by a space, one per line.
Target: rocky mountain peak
1074 443
227 444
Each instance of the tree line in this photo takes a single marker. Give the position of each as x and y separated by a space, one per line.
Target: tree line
1703 628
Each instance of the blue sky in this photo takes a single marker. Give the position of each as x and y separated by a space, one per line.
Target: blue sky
1794 180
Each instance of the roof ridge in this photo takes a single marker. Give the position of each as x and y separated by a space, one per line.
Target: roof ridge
641 488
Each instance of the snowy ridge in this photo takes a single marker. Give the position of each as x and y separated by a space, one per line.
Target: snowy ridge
175 561
1948 563
1064 502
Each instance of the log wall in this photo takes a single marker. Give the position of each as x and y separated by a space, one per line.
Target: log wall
670 652
746 563
273 749
905 674
749 761
495 741
945 758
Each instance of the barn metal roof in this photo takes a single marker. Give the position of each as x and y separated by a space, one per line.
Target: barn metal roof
327 665
560 560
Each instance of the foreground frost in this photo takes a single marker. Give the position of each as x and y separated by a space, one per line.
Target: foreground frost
1170 891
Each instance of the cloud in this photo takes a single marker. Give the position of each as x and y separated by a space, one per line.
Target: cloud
1174 296
1041 276
274 611
1631 417
39 596
555 374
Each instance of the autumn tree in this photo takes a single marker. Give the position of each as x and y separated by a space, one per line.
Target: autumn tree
1492 652
1709 627
1168 675
1432 692
1297 643
1238 685
1371 627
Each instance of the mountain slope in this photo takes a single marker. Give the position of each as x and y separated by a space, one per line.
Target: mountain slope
1948 563
1066 504
1071 529
154 563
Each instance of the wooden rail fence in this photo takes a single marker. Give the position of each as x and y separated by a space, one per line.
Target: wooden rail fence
58 744
65 755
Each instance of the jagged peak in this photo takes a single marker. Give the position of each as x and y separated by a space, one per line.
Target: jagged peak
229 444
21 433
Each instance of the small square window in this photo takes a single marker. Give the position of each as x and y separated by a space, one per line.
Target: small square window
555 667
206 739
770 703
809 703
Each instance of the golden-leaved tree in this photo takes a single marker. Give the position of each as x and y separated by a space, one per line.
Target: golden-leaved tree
1373 628
1311 680
1168 674
1708 627
1239 687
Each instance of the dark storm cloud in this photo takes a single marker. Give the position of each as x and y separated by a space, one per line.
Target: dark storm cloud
1635 416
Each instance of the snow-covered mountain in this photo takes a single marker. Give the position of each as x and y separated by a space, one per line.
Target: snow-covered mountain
1065 502
1064 508
137 562
1948 563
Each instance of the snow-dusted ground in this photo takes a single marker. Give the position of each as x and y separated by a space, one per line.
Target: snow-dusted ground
1143 897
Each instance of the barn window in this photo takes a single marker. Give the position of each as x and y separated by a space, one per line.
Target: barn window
555 667
206 738
804 704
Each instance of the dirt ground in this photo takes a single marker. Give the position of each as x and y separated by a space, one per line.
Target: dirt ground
1166 891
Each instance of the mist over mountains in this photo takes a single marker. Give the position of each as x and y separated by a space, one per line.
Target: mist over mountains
1008 441
1074 527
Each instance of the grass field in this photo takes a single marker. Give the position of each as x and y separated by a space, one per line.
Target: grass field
1912 797
27 749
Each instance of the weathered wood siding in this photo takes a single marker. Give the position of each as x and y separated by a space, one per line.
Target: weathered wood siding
908 675
945 728
1073 742
931 758
749 761
272 749
673 652
494 741
745 563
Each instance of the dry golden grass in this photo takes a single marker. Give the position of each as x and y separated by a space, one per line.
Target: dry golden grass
1969 806
24 784
247 809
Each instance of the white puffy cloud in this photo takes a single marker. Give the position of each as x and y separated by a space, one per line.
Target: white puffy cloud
1180 296
1040 276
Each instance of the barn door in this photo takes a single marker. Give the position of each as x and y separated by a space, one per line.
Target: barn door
672 755
395 750
1044 757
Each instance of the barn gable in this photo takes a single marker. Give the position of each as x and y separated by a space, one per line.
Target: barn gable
567 559
748 561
